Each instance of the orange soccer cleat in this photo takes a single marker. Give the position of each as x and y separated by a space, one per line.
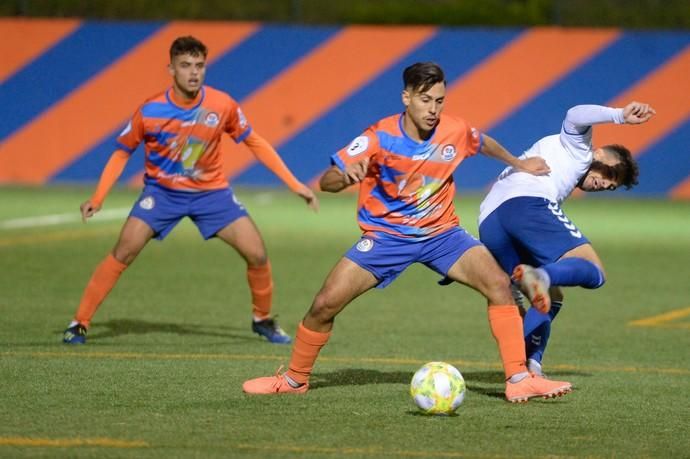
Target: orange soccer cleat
534 386
535 285
272 385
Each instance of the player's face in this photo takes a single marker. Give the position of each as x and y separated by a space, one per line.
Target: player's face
596 178
423 108
595 181
188 73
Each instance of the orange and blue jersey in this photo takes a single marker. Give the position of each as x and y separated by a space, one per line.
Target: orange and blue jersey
408 190
182 140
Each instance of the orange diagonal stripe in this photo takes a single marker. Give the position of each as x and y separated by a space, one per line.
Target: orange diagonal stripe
34 35
666 90
682 191
95 109
320 80
516 73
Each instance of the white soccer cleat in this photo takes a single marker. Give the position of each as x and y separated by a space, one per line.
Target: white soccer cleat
534 283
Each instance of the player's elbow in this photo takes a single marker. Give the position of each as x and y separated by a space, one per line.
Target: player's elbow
332 181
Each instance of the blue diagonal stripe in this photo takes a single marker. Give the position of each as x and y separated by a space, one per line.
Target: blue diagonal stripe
240 71
63 68
307 153
665 164
607 74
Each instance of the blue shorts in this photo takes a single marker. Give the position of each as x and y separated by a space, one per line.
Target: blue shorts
529 230
386 257
211 211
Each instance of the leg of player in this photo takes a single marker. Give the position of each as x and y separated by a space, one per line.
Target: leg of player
243 235
537 329
579 267
345 282
134 236
478 269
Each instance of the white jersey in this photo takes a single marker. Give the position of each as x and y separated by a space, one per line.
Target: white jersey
568 155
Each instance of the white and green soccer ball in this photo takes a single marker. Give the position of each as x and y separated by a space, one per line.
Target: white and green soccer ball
438 388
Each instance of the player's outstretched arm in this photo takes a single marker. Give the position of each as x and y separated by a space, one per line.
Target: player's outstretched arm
533 165
335 180
637 113
111 172
268 156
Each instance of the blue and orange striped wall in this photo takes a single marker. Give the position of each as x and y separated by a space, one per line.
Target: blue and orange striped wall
68 87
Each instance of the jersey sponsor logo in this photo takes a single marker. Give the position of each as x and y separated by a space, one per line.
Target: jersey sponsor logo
365 245
242 118
448 153
358 146
188 123
147 203
126 130
421 157
212 120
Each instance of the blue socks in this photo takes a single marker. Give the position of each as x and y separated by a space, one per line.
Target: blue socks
575 272
566 272
537 329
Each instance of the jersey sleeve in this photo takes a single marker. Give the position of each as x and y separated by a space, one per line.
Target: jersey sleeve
473 140
361 147
576 131
132 135
237 125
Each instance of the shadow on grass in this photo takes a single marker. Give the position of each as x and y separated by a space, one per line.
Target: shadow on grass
119 327
488 383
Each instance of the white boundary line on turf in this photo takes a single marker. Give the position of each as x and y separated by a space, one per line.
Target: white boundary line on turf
59 219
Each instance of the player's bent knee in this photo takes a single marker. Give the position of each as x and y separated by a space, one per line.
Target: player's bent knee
125 255
257 260
324 308
601 279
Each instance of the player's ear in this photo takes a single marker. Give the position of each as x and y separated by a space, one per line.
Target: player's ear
406 97
171 70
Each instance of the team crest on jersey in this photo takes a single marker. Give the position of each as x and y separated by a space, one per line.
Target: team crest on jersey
357 146
242 118
448 153
212 120
147 203
365 245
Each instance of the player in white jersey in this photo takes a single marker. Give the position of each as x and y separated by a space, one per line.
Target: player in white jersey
522 224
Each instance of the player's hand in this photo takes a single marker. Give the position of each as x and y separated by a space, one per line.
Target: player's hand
309 196
637 113
88 210
534 166
355 173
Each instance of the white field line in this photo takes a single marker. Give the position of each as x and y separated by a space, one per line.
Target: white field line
59 219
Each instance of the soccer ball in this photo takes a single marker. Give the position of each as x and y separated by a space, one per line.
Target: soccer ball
438 388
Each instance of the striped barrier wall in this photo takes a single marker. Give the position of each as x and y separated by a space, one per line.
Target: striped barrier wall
69 86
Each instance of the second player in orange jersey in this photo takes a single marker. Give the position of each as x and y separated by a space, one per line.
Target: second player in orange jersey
181 130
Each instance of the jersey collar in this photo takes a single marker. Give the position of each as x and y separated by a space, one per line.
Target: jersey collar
184 104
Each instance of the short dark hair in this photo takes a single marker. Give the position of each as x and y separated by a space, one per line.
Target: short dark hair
187 45
626 171
422 76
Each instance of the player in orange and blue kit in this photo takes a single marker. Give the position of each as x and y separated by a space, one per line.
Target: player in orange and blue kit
404 166
181 129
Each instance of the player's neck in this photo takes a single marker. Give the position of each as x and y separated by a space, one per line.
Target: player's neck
413 132
184 98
